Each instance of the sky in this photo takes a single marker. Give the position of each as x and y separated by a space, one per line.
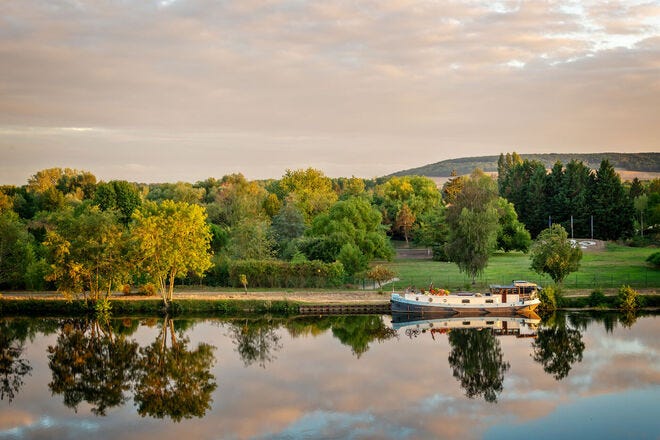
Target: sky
182 90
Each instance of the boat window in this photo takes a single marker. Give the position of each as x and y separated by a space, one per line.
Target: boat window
490 322
466 323
465 301
489 301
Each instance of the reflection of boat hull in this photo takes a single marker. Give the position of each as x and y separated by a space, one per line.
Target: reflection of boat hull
501 325
463 304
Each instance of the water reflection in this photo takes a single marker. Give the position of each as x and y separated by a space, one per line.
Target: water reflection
13 367
89 363
92 364
279 378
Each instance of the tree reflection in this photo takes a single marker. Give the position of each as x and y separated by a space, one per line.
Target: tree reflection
256 341
359 331
557 348
174 381
88 363
477 362
12 367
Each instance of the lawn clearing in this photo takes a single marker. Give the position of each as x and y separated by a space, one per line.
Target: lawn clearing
610 268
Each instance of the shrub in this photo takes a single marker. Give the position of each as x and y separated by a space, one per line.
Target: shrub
276 273
597 299
148 289
126 289
380 274
550 298
654 259
627 298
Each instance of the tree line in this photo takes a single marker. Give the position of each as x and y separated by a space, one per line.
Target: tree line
66 230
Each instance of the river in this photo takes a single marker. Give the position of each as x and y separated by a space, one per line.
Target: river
355 377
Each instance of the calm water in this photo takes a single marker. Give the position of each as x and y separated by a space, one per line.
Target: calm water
336 377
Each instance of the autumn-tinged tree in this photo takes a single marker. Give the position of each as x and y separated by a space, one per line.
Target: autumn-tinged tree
87 252
554 255
473 224
405 219
380 274
173 239
452 187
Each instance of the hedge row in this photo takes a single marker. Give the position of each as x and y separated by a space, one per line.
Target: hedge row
276 273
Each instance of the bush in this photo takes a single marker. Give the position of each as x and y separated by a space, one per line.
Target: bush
597 299
148 289
126 289
276 273
380 274
627 298
550 298
654 259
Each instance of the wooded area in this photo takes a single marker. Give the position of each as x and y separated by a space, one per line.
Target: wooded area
65 230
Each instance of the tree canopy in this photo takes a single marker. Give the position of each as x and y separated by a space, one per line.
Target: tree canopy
553 254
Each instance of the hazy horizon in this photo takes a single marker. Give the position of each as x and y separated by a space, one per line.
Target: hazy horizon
171 90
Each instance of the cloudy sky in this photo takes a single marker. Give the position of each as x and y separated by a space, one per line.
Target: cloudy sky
172 90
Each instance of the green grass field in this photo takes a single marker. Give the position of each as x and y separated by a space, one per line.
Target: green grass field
609 268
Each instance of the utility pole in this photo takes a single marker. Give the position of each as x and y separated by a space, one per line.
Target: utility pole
572 227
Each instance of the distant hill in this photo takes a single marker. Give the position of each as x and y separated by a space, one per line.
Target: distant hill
645 162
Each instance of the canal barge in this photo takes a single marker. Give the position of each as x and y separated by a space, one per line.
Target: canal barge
518 297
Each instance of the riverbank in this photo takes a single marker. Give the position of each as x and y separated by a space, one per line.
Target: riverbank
290 302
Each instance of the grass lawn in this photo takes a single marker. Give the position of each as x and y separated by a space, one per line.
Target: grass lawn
610 268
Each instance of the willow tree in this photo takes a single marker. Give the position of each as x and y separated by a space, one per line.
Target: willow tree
173 239
473 224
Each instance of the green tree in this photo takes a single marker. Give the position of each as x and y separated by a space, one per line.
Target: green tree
433 232
251 240
473 224
87 251
311 191
16 251
352 221
554 255
352 259
477 362
288 224
613 209
511 235
119 195
173 239
419 194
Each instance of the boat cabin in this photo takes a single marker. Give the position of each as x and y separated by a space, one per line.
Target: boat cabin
523 289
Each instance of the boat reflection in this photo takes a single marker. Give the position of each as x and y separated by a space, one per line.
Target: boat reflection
516 325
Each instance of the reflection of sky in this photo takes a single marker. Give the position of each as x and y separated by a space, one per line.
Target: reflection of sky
400 388
632 414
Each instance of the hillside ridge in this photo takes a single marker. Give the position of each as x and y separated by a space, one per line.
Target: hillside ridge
646 162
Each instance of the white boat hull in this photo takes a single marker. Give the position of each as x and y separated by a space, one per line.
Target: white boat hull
465 304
